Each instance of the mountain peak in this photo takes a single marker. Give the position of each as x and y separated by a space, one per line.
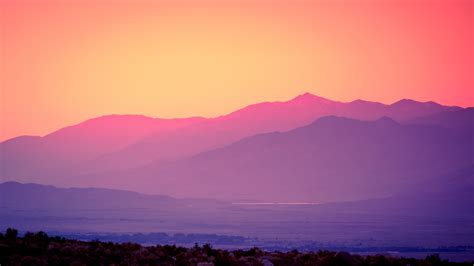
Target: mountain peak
308 97
306 94
409 102
386 121
405 102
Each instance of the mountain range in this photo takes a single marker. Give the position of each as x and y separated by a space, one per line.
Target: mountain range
305 149
332 159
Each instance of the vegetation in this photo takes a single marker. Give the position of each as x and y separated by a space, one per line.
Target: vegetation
40 249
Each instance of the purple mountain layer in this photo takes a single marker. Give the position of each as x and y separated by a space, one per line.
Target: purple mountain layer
113 143
332 159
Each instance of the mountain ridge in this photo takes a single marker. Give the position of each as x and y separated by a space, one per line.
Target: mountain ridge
332 152
304 96
121 142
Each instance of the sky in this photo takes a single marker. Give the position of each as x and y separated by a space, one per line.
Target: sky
62 62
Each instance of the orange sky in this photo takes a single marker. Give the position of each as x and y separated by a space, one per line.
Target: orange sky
63 62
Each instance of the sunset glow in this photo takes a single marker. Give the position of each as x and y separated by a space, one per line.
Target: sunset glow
62 62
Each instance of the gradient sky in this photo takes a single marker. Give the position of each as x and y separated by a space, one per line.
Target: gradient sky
63 62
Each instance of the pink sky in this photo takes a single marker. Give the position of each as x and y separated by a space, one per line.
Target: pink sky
66 61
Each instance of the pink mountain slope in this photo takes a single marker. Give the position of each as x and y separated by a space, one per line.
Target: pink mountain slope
332 159
61 151
256 119
121 142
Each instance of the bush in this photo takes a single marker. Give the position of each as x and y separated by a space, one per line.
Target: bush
40 249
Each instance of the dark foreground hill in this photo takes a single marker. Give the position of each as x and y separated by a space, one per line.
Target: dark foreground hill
39 249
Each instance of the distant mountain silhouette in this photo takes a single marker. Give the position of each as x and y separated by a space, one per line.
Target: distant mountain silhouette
463 118
14 196
126 142
444 215
63 151
332 159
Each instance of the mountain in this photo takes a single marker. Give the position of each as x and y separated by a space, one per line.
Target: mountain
445 216
18 196
261 118
462 118
332 159
126 142
63 151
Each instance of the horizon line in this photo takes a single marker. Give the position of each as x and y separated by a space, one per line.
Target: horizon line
299 96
